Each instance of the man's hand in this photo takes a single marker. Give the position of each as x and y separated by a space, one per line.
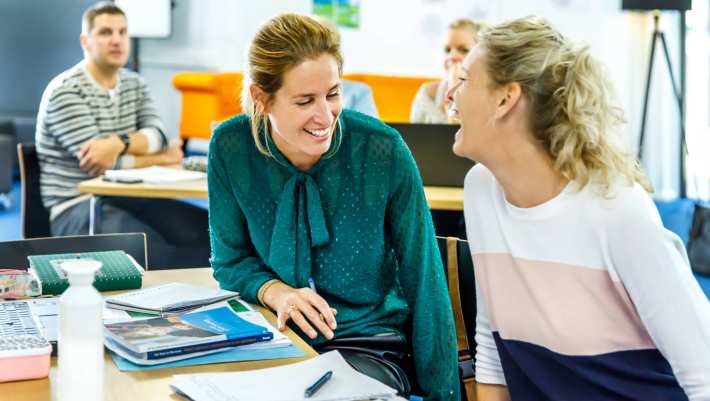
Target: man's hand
173 154
99 155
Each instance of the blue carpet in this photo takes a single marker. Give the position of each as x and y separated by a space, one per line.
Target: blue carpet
10 218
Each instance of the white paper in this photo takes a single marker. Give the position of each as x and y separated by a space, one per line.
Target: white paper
156 174
284 383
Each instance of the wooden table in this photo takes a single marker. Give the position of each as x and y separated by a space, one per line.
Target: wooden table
439 198
148 385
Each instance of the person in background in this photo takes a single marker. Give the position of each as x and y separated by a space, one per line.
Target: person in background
358 96
318 213
98 116
581 292
430 105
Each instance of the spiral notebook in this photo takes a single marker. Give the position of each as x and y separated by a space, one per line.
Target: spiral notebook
168 298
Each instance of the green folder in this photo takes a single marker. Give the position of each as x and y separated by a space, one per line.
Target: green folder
118 271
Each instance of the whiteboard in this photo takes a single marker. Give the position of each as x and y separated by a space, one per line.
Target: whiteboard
147 19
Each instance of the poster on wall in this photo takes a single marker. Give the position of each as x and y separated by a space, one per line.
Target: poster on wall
344 13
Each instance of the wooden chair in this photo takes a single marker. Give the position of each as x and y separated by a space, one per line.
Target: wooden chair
13 254
458 265
35 218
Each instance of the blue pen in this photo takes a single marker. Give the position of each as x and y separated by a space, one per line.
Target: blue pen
312 284
313 388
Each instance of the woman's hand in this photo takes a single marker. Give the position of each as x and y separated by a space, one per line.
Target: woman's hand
453 74
302 305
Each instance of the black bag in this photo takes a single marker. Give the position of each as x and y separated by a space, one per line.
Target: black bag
699 242
385 358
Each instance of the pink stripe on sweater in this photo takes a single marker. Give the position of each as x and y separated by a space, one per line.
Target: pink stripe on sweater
567 309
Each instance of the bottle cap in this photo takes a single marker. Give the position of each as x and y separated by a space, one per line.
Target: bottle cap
80 271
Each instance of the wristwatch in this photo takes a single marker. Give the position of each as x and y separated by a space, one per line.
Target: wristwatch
126 142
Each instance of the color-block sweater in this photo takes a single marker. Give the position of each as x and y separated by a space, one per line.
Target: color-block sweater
584 297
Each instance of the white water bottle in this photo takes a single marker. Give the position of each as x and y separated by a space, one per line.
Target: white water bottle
80 340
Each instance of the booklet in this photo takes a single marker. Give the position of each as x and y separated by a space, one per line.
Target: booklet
185 335
168 298
256 350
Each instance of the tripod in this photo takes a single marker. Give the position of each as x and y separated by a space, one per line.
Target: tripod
677 92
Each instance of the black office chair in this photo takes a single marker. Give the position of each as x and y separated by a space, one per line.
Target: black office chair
13 254
35 218
458 265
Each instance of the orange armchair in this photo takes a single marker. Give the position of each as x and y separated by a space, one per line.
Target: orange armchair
208 97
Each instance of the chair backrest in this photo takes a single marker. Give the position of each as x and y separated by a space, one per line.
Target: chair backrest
458 265
35 218
7 144
13 254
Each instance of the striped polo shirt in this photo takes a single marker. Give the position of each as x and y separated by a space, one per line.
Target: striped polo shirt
74 110
584 297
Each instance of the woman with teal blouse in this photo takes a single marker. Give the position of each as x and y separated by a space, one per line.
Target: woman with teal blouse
319 214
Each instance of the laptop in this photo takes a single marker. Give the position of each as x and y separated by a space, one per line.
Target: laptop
31 316
430 145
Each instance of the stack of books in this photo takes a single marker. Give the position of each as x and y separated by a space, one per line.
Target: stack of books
175 321
174 337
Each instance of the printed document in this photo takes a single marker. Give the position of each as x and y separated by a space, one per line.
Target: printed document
284 383
156 175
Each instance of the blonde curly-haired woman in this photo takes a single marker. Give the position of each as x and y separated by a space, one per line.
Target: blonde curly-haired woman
582 294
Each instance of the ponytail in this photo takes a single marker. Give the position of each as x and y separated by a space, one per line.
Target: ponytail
574 114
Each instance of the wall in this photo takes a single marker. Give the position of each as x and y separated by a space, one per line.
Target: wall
214 35
30 57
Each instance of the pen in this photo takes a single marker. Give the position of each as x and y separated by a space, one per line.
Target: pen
312 284
312 389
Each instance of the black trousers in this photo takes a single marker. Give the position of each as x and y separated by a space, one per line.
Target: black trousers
177 232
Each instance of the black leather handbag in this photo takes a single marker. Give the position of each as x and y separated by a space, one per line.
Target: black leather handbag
385 358
699 241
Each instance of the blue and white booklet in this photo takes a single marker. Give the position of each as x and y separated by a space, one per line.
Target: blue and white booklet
175 337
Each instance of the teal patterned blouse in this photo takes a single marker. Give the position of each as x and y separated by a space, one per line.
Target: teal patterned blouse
356 222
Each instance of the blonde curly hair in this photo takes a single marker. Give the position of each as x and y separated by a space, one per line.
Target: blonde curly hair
574 113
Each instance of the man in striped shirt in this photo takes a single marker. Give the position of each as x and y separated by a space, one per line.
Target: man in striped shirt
98 116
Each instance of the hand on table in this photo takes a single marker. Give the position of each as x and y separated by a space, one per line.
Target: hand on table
302 305
99 155
173 154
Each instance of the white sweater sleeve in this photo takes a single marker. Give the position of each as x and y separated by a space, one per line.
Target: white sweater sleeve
488 367
653 266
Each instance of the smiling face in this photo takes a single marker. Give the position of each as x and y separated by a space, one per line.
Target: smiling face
458 43
107 44
304 111
475 105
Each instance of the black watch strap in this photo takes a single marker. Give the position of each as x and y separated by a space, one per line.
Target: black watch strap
126 142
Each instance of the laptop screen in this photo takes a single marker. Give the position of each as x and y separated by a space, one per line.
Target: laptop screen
430 145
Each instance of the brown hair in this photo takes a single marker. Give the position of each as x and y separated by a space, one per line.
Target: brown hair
282 43
574 111
102 7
